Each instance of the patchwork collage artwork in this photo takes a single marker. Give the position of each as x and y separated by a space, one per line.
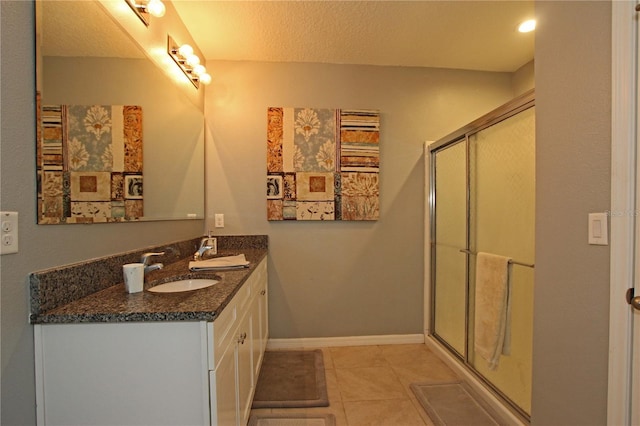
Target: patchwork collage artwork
89 163
322 164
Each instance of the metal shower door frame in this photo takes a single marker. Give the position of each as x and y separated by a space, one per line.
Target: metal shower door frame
462 135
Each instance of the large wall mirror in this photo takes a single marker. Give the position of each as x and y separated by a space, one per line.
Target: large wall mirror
84 60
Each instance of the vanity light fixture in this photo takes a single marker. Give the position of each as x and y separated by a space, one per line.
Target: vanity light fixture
527 26
144 8
188 62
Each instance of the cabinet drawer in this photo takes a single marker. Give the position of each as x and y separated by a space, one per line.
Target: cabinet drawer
244 295
221 331
251 287
259 275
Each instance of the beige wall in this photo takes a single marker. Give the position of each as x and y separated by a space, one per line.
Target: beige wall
41 246
523 79
573 128
339 278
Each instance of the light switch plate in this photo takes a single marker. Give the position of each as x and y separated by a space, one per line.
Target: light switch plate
8 232
598 229
219 220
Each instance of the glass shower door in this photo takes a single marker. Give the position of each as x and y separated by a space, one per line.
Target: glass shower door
450 230
482 200
502 222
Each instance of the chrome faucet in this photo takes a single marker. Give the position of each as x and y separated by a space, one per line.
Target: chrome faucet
207 244
145 261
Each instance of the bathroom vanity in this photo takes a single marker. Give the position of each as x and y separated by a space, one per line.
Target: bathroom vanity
188 358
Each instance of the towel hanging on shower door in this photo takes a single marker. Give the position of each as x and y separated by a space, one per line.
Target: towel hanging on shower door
492 308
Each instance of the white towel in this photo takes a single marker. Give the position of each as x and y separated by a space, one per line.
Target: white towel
227 262
492 311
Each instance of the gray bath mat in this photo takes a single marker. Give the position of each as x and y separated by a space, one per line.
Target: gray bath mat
292 420
453 404
291 379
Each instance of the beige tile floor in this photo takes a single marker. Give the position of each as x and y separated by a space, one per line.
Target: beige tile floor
369 385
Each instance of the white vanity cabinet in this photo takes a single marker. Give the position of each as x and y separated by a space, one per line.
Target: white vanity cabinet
232 381
155 373
241 336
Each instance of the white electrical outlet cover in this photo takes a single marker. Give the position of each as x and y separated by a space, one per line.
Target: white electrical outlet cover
219 220
8 232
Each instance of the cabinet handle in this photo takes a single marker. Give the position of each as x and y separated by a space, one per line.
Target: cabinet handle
263 292
241 338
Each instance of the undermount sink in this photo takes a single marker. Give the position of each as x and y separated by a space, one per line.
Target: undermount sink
183 285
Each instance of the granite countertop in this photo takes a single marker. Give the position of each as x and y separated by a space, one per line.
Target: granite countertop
114 304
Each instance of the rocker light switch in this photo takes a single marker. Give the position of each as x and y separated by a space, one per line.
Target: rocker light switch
598 229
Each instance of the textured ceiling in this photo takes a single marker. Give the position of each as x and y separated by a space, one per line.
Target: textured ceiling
77 28
478 35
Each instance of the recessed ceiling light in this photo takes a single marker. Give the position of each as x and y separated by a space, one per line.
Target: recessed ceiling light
527 26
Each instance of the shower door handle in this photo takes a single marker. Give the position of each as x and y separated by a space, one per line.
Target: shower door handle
633 301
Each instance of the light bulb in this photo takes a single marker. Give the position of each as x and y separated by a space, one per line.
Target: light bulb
185 50
193 60
205 78
527 26
199 70
156 8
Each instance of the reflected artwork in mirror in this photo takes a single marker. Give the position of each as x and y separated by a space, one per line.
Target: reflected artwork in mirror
85 60
89 164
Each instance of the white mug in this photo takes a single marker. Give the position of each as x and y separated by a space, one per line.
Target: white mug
133 277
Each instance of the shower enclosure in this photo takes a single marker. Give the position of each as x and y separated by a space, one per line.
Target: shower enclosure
481 198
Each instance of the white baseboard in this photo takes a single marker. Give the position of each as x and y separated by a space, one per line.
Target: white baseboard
324 342
497 404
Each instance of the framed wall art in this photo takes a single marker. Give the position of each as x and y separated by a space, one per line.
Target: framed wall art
323 164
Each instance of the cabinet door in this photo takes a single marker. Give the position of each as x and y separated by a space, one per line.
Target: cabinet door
223 389
260 328
256 344
263 312
245 367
